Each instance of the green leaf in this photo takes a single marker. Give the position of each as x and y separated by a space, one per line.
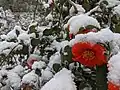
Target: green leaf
32 29
117 28
52 31
47 32
81 28
35 42
56 67
105 2
86 5
91 27
101 77
67 54
114 19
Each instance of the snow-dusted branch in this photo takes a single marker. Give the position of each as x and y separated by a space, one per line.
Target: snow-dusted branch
93 10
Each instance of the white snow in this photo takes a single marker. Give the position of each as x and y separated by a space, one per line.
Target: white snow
111 3
46 5
2 73
6 46
117 38
114 69
2 13
61 81
60 45
17 27
49 17
4 23
18 69
14 80
30 78
12 34
3 37
38 65
42 28
116 10
33 24
103 36
46 75
9 14
76 22
80 9
56 58
25 38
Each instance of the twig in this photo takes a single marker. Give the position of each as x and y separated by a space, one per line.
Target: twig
93 10
12 50
34 15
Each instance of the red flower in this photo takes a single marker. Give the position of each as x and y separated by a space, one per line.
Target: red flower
51 3
30 62
89 54
112 86
71 36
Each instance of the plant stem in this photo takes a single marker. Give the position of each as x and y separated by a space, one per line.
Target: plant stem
101 80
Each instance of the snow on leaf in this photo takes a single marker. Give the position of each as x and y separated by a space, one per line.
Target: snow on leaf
30 78
76 22
80 9
116 10
105 35
61 81
111 3
38 65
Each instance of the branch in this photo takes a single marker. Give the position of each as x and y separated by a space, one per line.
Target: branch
34 13
12 50
93 10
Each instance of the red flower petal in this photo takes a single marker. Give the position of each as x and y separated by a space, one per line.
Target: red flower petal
71 36
89 54
99 51
78 48
112 86
30 62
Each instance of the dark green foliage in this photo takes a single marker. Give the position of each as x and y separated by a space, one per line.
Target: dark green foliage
38 72
53 31
35 41
56 67
101 77
32 29
66 55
